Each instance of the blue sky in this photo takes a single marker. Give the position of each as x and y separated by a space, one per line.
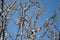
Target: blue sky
48 5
